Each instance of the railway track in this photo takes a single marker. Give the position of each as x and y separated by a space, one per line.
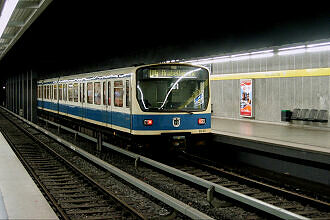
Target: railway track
288 202
233 201
284 199
71 192
124 186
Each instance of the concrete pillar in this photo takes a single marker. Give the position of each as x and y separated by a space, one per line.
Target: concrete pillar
24 90
34 96
27 96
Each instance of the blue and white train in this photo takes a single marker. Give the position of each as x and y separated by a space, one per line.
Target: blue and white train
171 100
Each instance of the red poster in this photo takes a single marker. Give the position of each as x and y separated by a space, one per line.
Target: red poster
246 98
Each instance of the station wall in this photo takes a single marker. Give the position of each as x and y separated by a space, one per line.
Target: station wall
21 95
308 85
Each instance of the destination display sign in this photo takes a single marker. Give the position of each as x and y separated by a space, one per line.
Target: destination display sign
160 73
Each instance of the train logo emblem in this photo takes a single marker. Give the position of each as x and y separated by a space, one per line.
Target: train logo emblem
176 122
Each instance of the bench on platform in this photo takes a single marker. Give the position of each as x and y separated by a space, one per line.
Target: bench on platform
313 115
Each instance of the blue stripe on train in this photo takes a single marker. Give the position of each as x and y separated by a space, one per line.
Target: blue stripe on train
160 122
165 122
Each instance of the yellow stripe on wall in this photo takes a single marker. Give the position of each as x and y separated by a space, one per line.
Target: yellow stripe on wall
274 74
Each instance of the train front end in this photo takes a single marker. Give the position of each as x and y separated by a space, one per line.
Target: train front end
172 101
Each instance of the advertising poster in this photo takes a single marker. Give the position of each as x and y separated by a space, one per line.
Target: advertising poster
246 98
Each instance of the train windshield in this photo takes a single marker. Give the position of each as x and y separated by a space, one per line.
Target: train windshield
172 88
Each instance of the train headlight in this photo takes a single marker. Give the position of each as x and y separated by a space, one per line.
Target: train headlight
148 122
201 121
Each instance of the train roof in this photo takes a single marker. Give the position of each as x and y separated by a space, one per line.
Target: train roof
119 71
110 72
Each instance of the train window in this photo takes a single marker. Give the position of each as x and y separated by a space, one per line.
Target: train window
70 92
109 93
82 92
127 94
75 92
47 91
38 92
45 87
105 100
65 92
90 93
55 92
97 93
118 93
60 92
51 92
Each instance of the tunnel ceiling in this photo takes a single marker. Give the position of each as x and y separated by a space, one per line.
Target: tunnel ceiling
80 36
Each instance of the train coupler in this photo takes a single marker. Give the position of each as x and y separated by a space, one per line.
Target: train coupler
179 141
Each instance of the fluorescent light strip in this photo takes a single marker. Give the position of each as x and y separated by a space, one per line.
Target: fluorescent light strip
261 55
319 47
292 48
292 52
7 11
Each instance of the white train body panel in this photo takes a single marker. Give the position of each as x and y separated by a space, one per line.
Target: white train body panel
110 99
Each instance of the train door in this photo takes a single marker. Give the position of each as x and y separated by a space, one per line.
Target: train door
44 88
42 95
65 99
106 103
82 96
121 118
60 98
110 103
56 98
128 103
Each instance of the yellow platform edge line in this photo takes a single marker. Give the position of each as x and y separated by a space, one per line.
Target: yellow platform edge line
274 74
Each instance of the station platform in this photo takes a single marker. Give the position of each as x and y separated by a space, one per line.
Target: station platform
299 142
20 198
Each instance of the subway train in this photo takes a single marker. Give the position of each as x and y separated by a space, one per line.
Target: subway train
165 103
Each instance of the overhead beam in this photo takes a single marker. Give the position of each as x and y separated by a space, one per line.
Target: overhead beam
16 24
28 4
8 36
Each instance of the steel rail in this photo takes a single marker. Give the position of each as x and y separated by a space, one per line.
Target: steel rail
260 205
250 201
54 203
163 197
295 195
75 169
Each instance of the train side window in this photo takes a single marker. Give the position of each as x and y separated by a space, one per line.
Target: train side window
51 91
105 100
109 93
60 92
38 92
44 94
65 93
70 92
75 92
118 93
90 93
82 92
97 93
47 91
127 94
55 92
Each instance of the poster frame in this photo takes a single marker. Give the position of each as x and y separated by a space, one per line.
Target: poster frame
249 100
